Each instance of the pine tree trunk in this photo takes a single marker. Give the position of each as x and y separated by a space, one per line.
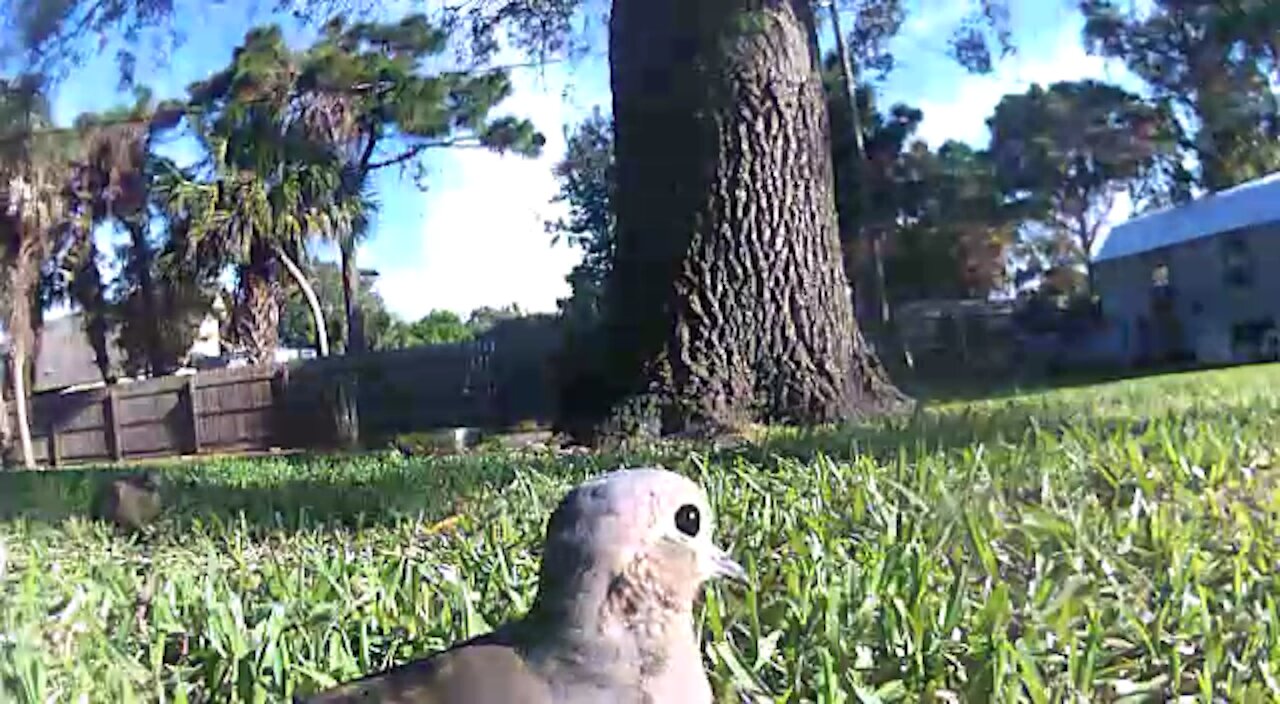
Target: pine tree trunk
258 314
728 300
355 328
142 258
346 408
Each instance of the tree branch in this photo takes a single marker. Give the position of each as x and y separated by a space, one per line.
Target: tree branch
415 150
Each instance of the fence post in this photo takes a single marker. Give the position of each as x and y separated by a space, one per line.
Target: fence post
193 414
112 412
280 431
55 453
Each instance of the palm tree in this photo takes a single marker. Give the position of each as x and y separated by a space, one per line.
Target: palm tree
265 186
34 166
257 211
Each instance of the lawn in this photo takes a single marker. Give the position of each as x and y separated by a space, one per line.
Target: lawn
1106 543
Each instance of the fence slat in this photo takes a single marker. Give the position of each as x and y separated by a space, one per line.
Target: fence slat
55 453
192 407
112 410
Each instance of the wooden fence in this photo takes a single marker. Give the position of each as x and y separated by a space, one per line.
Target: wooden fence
496 381
225 410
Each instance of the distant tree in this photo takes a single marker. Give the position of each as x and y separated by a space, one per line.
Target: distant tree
484 318
265 187
863 52
867 180
1050 259
954 229
587 182
435 328
440 327
111 186
297 329
1066 152
1214 64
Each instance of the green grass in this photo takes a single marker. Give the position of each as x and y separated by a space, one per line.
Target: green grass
1107 543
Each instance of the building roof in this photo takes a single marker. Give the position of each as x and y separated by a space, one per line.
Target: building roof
1250 204
66 357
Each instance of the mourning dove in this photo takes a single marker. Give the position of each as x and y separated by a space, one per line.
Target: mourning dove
131 502
625 557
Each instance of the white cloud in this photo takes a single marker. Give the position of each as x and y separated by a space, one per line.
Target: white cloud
482 240
958 109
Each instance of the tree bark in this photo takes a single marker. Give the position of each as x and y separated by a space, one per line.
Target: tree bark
258 310
356 342
727 303
347 401
309 293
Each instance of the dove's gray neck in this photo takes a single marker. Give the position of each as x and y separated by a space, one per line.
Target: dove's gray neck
626 627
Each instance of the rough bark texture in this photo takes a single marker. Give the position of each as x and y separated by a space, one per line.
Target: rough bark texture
728 302
258 312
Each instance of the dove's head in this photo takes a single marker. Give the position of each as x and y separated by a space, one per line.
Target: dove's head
649 528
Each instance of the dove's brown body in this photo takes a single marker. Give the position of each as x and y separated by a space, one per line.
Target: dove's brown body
613 621
485 670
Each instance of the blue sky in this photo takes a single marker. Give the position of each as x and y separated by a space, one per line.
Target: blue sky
475 236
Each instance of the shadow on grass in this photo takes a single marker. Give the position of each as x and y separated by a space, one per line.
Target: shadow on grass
302 492
960 388
932 432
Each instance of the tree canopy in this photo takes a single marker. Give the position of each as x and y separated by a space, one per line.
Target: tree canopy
1214 65
1064 153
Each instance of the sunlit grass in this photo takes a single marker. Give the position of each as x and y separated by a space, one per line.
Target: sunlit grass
1107 543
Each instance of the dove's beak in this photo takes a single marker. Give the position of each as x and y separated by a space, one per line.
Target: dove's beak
724 566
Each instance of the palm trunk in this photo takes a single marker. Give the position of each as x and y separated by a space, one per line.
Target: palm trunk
309 293
18 376
258 309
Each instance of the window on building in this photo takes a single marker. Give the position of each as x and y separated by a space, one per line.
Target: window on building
1160 275
1237 265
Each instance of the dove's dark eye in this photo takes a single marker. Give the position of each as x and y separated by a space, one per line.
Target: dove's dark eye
688 520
